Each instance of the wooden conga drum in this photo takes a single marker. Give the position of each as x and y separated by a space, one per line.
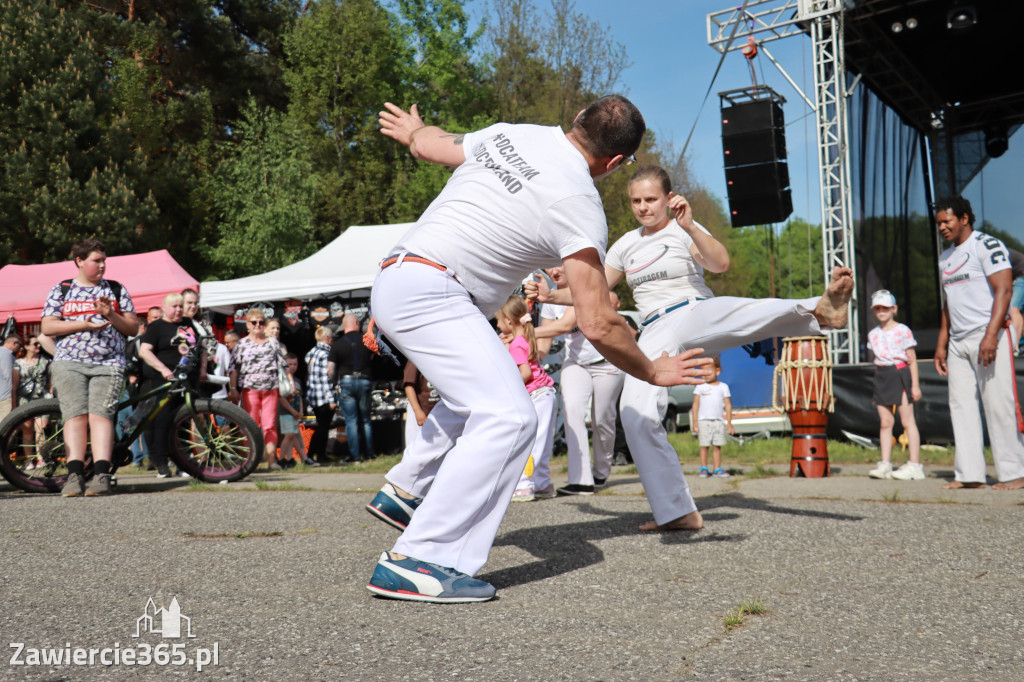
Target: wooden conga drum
803 377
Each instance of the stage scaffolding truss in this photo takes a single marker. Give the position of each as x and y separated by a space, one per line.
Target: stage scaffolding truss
770 20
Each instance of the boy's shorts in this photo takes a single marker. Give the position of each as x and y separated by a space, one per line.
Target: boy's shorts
288 424
84 388
712 432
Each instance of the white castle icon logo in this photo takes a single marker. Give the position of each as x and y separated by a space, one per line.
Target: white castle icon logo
166 622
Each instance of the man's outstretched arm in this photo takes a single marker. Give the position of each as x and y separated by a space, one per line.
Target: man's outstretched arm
427 143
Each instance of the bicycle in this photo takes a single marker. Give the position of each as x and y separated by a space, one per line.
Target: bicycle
212 440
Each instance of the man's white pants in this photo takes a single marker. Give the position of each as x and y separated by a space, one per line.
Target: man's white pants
601 381
545 402
994 384
471 451
715 325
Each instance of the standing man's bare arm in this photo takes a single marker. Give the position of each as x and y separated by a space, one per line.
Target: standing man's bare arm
427 143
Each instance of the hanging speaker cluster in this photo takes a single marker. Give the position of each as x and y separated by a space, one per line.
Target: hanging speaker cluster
754 148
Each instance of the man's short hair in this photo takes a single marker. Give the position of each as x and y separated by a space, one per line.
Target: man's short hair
186 292
83 247
958 205
231 332
14 335
611 126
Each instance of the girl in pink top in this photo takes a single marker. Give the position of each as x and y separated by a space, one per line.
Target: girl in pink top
897 387
517 331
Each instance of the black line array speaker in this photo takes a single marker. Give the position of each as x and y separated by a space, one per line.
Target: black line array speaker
756 174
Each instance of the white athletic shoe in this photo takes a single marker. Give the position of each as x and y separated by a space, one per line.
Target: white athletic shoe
909 472
883 470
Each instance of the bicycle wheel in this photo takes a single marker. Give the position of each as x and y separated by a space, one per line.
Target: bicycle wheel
32 447
221 443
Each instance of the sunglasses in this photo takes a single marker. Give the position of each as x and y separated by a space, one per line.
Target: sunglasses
257 323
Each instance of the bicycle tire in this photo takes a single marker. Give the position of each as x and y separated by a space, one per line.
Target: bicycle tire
39 467
231 449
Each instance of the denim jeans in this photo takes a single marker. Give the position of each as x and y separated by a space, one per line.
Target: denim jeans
355 407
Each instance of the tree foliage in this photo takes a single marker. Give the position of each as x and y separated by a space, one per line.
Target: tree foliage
66 157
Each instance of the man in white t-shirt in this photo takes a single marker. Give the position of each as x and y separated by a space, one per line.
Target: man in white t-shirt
975 350
521 197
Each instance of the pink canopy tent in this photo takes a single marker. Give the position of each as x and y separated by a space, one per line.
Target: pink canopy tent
148 277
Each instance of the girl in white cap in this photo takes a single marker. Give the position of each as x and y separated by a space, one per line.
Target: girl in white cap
896 386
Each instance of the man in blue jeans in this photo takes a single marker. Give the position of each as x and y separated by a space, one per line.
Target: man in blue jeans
350 362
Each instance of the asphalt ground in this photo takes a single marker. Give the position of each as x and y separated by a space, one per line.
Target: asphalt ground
860 580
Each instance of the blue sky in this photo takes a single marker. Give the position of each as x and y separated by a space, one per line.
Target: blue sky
672 67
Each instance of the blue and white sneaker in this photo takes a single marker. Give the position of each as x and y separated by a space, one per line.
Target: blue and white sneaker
392 509
414 580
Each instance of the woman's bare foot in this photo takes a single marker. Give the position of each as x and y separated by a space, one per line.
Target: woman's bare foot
833 306
692 521
1015 484
955 485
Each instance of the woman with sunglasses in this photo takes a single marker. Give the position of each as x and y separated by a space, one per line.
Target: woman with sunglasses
254 371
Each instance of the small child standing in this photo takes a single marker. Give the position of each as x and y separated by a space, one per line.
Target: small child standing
896 386
289 411
713 405
517 331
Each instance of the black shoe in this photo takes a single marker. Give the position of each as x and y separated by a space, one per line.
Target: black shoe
576 489
163 471
600 483
351 460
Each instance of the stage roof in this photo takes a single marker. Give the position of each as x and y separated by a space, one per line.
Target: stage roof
958 60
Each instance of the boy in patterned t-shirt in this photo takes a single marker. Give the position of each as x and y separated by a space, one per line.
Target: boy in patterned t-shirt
896 386
90 324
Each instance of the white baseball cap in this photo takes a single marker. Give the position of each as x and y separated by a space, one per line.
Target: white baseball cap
884 298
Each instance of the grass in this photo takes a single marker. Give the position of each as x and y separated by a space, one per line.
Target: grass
779 450
749 607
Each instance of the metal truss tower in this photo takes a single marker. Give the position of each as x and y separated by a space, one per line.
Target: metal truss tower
770 20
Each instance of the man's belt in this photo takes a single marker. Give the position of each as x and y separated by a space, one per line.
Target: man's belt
413 258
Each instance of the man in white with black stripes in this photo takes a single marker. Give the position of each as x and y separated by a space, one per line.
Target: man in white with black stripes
522 197
975 349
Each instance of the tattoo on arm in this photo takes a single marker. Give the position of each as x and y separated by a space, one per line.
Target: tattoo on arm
456 138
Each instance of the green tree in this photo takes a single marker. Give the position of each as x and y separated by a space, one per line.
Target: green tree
264 190
180 71
345 61
68 165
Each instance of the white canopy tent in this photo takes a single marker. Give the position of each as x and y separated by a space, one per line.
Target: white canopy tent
348 263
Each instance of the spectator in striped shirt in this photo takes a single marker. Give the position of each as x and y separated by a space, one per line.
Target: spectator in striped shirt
319 393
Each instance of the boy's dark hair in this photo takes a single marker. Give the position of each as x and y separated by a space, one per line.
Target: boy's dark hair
190 291
291 356
83 247
717 361
958 205
611 126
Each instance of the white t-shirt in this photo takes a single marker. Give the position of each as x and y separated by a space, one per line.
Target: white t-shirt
965 270
891 346
659 267
712 400
522 200
578 349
